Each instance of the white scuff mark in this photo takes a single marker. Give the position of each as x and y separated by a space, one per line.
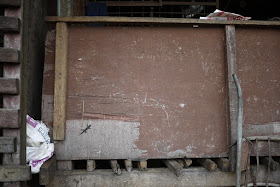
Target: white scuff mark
80 59
248 99
277 112
167 115
96 78
141 56
210 145
177 153
182 105
255 98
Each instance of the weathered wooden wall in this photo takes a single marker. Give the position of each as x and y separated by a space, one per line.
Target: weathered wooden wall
154 92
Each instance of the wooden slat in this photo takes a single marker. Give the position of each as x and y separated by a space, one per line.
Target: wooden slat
9 55
174 166
208 164
131 20
222 163
115 167
91 165
10 3
184 162
9 118
128 165
9 23
47 171
9 86
7 144
232 105
15 173
142 165
60 84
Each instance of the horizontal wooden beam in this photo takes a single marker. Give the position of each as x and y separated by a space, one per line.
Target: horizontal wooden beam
9 86
178 3
174 166
47 171
9 118
9 23
9 55
7 144
155 3
131 20
10 3
15 173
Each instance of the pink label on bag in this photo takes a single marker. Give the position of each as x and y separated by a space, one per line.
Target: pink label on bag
31 121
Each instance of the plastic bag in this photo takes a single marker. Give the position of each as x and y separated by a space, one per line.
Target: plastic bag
39 147
222 15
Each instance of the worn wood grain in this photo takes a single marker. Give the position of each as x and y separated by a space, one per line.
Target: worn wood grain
9 55
47 171
9 86
60 84
9 118
9 23
10 3
105 19
174 166
7 144
15 173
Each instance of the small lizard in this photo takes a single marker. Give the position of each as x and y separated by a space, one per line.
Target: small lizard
85 130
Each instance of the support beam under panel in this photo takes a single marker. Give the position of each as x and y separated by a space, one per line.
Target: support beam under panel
208 164
128 165
115 167
174 166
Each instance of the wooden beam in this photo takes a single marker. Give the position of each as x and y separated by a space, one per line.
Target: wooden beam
208 164
64 165
60 83
47 171
142 165
179 3
115 167
9 86
174 166
7 144
154 20
232 99
155 3
91 165
15 173
10 3
9 23
65 7
273 164
222 163
9 118
128 165
9 55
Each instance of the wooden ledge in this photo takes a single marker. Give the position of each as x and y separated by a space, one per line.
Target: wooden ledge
148 20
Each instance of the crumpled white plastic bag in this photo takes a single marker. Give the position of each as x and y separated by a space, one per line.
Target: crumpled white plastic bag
39 147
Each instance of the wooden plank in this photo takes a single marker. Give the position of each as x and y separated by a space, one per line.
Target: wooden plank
9 23
10 3
15 173
9 55
7 144
91 165
232 105
64 165
115 167
128 165
131 20
155 3
65 7
174 166
47 171
142 165
208 164
273 164
222 163
60 84
9 86
9 118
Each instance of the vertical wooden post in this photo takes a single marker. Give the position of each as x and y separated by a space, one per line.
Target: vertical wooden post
232 104
60 83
